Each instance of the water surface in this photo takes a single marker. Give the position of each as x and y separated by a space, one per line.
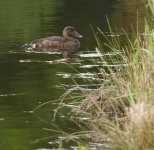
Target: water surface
29 79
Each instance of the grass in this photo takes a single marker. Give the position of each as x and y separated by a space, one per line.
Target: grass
121 111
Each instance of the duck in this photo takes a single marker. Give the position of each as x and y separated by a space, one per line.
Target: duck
67 42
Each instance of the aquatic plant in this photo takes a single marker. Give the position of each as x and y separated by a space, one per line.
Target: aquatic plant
120 112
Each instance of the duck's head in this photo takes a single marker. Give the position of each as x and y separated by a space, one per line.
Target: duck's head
71 32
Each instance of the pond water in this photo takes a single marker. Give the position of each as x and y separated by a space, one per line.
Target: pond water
29 79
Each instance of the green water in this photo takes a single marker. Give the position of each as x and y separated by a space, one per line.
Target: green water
30 79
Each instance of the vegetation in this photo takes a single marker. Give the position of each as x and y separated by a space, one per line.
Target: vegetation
120 113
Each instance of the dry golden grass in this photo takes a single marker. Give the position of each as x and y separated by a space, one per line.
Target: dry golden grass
121 110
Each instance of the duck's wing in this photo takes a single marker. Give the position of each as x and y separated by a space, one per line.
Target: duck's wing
51 41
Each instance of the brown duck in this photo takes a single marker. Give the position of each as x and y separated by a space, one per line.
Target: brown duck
66 42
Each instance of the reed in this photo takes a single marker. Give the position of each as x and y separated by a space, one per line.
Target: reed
121 111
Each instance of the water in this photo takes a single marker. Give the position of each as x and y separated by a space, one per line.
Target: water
29 79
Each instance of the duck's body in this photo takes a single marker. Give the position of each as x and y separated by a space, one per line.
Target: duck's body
67 42
55 43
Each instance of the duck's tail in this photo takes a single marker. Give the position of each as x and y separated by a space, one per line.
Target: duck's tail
28 46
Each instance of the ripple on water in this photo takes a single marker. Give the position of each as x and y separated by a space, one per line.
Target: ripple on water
45 149
86 75
95 54
89 66
34 61
32 51
11 94
85 86
1 119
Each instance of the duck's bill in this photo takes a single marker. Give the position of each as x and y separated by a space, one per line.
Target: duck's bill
78 35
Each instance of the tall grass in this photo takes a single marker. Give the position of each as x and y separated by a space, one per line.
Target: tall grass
121 111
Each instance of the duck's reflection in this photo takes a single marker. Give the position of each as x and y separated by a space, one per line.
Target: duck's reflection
70 55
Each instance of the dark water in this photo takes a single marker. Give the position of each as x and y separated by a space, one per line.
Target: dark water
30 79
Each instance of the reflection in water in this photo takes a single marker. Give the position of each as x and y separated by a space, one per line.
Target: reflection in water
30 78
86 75
26 20
122 17
69 55
66 55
